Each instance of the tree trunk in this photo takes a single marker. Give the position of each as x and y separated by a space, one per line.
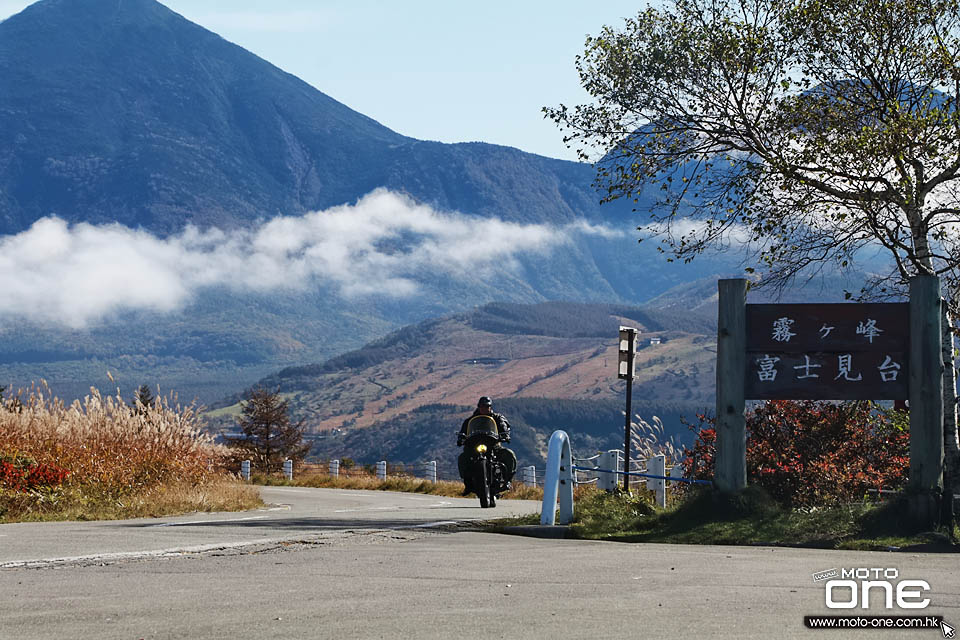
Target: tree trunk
951 445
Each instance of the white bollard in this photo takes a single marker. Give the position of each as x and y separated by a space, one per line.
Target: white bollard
528 476
335 468
657 466
432 471
558 481
245 470
382 470
288 469
609 460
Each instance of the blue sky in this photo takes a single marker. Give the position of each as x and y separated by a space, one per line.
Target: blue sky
443 70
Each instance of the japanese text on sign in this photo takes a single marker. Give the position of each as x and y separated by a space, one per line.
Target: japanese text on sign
827 351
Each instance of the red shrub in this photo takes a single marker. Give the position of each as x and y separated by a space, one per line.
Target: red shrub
23 474
811 453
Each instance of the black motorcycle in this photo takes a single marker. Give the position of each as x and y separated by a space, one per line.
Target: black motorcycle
486 472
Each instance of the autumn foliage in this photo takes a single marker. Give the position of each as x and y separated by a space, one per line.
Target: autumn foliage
24 474
814 453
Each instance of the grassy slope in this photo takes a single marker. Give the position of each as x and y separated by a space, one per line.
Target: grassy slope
752 518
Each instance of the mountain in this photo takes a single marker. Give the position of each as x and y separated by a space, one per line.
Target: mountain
548 366
123 115
124 111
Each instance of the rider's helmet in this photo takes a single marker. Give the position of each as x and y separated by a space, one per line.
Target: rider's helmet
484 402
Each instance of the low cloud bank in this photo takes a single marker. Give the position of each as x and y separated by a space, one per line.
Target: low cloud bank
77 275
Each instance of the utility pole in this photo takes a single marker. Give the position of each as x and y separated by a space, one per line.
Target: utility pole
625 371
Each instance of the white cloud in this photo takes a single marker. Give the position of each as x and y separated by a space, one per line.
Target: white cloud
75 275
689 228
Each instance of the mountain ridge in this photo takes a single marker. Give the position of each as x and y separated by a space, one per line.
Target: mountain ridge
122 112
549 365
142 117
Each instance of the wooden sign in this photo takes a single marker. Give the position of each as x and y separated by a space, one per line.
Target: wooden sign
827 351
833 352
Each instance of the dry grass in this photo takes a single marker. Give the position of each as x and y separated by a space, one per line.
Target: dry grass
648 440
124 461
85 503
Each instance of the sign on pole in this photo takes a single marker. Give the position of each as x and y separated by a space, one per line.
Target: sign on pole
625 371
626 353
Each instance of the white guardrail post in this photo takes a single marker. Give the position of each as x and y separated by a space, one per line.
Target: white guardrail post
528 476
245 470
432 471
288 469
382 470
657 466
558 482
609 460
335 468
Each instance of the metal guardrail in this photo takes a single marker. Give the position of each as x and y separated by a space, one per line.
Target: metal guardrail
645 475
607 467
561 477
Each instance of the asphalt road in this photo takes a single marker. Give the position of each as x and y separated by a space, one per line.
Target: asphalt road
293 513
337 564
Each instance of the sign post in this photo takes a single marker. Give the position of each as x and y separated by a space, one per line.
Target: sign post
625 370
730 473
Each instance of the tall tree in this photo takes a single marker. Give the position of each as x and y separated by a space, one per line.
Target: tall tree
143 399
269 437
809 131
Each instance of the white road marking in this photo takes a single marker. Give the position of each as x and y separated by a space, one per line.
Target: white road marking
159 553
393 508
427 525
367 509
442 503
186 524
291 489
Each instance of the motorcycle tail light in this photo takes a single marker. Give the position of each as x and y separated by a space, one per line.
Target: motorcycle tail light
481 448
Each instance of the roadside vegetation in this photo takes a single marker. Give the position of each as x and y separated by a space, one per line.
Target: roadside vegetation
815 471
102 458
752 518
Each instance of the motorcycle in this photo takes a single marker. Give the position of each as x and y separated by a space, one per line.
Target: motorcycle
486 471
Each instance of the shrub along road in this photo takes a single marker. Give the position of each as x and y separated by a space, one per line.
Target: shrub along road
352 567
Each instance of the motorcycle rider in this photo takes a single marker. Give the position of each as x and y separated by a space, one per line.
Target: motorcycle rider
505 456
